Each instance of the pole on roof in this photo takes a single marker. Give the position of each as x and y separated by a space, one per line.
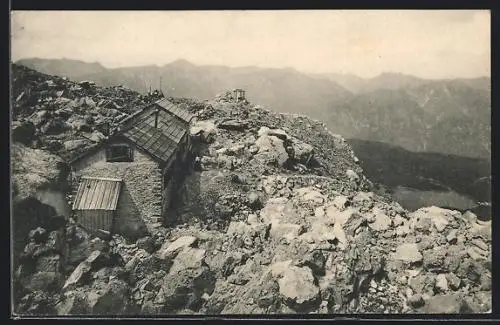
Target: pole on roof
157 111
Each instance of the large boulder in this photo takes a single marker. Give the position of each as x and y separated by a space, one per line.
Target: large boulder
408 253
340 202
434 260
40 117
423 284
318 232
337 216
481 230
254 200
233 125
96 260
289 231
78 123
80 244
140 268
243 273
272 150
303 152
109 298
49 263
189 258
53 127
315 260
249 232
445 304
23 132
298 150
296 285
171 250
43 281
224 264
73 303
188 280
440 218
310 195
277 210
442 283
38 235
97 136
146 243
205 129
381 221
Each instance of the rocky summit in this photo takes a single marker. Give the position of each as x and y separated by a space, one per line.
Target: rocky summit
277 218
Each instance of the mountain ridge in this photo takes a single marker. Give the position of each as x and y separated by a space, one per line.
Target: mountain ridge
180 61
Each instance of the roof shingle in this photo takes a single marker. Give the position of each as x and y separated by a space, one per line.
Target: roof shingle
176 110
151 140
168 124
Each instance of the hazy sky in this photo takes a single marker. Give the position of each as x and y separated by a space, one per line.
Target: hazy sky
426 43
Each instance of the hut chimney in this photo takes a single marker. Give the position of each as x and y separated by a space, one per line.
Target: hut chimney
157 112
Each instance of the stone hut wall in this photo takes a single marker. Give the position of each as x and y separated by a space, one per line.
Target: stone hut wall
141 194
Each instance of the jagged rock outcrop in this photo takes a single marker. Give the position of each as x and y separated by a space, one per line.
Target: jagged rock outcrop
38 196
65 117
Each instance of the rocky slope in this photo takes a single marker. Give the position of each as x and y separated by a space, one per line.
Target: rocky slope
39 186
277 218
65 117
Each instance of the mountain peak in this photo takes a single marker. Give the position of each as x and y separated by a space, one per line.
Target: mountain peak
388 74
182 63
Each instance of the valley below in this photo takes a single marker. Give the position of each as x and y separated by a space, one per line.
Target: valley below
416 179
413 199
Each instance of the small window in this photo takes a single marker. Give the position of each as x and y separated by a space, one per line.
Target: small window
119 153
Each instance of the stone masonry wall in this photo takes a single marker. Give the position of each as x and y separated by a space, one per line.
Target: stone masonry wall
140 198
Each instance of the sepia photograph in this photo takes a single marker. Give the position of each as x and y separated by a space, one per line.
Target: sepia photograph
250 162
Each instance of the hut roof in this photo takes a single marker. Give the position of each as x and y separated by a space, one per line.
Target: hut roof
96 193
161 141
176 110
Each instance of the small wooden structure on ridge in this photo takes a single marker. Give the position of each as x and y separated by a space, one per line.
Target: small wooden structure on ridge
238 95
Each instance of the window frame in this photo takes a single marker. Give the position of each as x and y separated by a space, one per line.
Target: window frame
126 156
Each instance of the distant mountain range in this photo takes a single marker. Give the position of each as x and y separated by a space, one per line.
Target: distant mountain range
445 116
63 67
442 116
393 81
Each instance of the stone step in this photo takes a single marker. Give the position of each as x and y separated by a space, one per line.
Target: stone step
156 219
